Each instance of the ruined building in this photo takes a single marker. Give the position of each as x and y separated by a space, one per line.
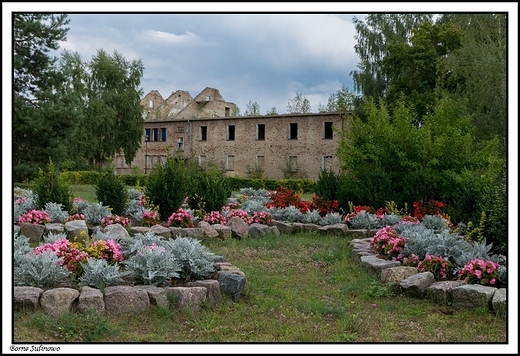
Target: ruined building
207 129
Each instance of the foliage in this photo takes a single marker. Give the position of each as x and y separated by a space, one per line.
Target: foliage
495 206
112 121
50 188
168 185
208 189
215 217
44 112
252 109
478 71
341 101
442 269
195 259
95 212
71 257
56 212
374 36
111 191
153 264
299 104
389 157
24 200
98 273
41 270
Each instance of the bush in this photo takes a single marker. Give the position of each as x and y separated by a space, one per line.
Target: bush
167 186
50 188
111 191
208 190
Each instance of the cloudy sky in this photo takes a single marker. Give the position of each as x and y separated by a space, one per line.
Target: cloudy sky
251 52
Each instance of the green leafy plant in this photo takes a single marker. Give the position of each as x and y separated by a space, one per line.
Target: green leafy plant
111 191
50 188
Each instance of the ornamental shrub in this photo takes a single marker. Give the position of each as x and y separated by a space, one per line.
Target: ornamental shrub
167 186
111 191
208 189
50 188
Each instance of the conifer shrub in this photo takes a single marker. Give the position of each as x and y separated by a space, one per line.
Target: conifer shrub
167 185
50 188
111 191
208 190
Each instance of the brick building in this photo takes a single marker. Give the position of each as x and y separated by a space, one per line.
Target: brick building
205 128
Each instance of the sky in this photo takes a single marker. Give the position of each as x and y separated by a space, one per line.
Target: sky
250 52
250 57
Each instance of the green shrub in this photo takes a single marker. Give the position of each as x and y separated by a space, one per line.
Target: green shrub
167 186
327 185
111 191
208 190
495 206
50 188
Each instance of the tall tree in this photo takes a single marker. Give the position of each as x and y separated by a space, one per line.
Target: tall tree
373 38
252 109
43 117
299 104
412 67
343 101
113 121
479 70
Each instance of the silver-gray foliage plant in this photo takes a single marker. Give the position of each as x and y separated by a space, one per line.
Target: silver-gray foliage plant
42 270
332 218
196 260
56 212
153 264
95 212
99 274
25 201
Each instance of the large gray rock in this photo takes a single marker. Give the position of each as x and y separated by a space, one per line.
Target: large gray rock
440 292
34 232
91 299
74 228
208 229
213 294
125 299
156 295
58 300
238 227
26 298
395 275
415 285
283 227
472 296
161 231
116 232
224 232
231 284
187 298
55 228
499 301
374 265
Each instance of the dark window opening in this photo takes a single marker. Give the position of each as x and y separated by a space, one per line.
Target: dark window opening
327 130
163 134
203 133
260 132
231 133
227 111
293 131
156 134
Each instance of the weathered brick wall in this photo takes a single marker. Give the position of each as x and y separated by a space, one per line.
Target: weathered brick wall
308 153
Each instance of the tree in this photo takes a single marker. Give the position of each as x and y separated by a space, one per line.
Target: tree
43 114
478 71
412 67
252 109
343 101
389 158
272 111
112 121
298 105
373 38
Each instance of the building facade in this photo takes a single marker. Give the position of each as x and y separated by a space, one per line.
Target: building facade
204 129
